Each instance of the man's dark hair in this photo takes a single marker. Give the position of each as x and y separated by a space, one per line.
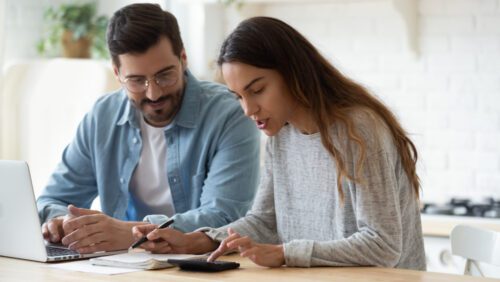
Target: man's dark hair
137 27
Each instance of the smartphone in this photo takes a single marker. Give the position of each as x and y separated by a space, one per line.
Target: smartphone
203 265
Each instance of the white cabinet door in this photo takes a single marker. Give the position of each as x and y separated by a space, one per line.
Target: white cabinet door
439 257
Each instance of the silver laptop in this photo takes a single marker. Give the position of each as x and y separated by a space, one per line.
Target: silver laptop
21 229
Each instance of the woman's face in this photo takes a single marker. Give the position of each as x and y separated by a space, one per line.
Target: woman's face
263 95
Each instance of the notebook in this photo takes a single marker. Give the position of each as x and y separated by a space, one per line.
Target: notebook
21 231
141 260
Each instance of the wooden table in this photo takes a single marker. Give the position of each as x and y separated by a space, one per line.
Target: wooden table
21 270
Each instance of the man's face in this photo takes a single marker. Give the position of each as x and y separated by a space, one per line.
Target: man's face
154 81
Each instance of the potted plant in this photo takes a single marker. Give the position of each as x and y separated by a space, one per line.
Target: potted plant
74 29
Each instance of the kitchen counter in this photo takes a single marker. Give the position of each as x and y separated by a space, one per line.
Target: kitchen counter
441 225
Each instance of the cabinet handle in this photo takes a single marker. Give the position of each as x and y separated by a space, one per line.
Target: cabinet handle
445 258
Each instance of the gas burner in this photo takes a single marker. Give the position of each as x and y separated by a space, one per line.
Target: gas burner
489 208
494 212
436 209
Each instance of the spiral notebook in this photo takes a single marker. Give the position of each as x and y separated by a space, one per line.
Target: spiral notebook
141 260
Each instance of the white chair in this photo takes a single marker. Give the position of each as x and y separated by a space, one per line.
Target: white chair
41 104
481 249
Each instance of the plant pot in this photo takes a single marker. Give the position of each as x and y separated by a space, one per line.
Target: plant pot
75 48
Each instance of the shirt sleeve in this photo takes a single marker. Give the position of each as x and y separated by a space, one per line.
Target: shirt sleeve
230 185
73 181
260 222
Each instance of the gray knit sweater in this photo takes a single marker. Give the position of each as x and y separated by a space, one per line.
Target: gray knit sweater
298 204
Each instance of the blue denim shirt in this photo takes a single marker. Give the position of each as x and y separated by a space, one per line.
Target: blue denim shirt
212 160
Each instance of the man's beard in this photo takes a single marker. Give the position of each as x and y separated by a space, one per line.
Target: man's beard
165 114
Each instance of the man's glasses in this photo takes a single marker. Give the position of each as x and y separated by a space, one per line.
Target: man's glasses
139 84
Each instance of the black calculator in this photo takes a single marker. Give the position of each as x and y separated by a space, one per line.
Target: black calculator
203 265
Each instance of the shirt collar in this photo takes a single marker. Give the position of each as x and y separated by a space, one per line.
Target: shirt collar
187 115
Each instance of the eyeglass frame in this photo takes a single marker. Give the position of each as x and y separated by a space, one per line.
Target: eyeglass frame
147 80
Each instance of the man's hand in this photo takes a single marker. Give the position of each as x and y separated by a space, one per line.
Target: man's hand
91 231
52 230
169 240
261 254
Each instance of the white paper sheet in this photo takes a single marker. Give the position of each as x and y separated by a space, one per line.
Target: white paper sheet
86 266
141 260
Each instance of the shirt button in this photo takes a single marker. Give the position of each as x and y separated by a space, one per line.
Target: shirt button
134 140
121 180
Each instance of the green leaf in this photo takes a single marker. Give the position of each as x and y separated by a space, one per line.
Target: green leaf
80 18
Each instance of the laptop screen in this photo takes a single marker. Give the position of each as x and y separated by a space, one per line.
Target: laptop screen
21 232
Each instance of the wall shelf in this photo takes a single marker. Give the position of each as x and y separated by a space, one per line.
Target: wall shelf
407 11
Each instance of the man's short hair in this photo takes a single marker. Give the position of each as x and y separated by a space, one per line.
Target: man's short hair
137 27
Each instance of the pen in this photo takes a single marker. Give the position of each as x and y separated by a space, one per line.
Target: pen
144 238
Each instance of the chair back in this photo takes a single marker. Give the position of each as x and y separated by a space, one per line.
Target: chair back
41 104
480 247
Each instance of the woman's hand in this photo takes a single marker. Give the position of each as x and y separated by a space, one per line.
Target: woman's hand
169 240
261 254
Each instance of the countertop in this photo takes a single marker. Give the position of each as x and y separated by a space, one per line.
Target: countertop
441 225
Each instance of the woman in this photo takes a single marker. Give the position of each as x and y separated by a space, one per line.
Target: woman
340 186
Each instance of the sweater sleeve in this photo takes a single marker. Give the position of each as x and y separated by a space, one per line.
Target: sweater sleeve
378 240
260 222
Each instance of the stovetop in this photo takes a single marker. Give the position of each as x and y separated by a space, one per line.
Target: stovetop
487 208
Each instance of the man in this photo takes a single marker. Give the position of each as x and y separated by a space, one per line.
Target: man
166 145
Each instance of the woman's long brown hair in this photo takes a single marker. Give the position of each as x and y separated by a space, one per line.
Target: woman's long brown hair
317 85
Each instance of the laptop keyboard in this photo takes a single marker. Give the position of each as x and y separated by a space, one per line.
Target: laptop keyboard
56 252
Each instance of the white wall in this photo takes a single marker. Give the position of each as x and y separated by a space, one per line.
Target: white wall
448 98
2 30
24 23
2 40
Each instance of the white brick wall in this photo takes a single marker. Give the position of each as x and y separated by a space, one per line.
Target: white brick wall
24 24
448 97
